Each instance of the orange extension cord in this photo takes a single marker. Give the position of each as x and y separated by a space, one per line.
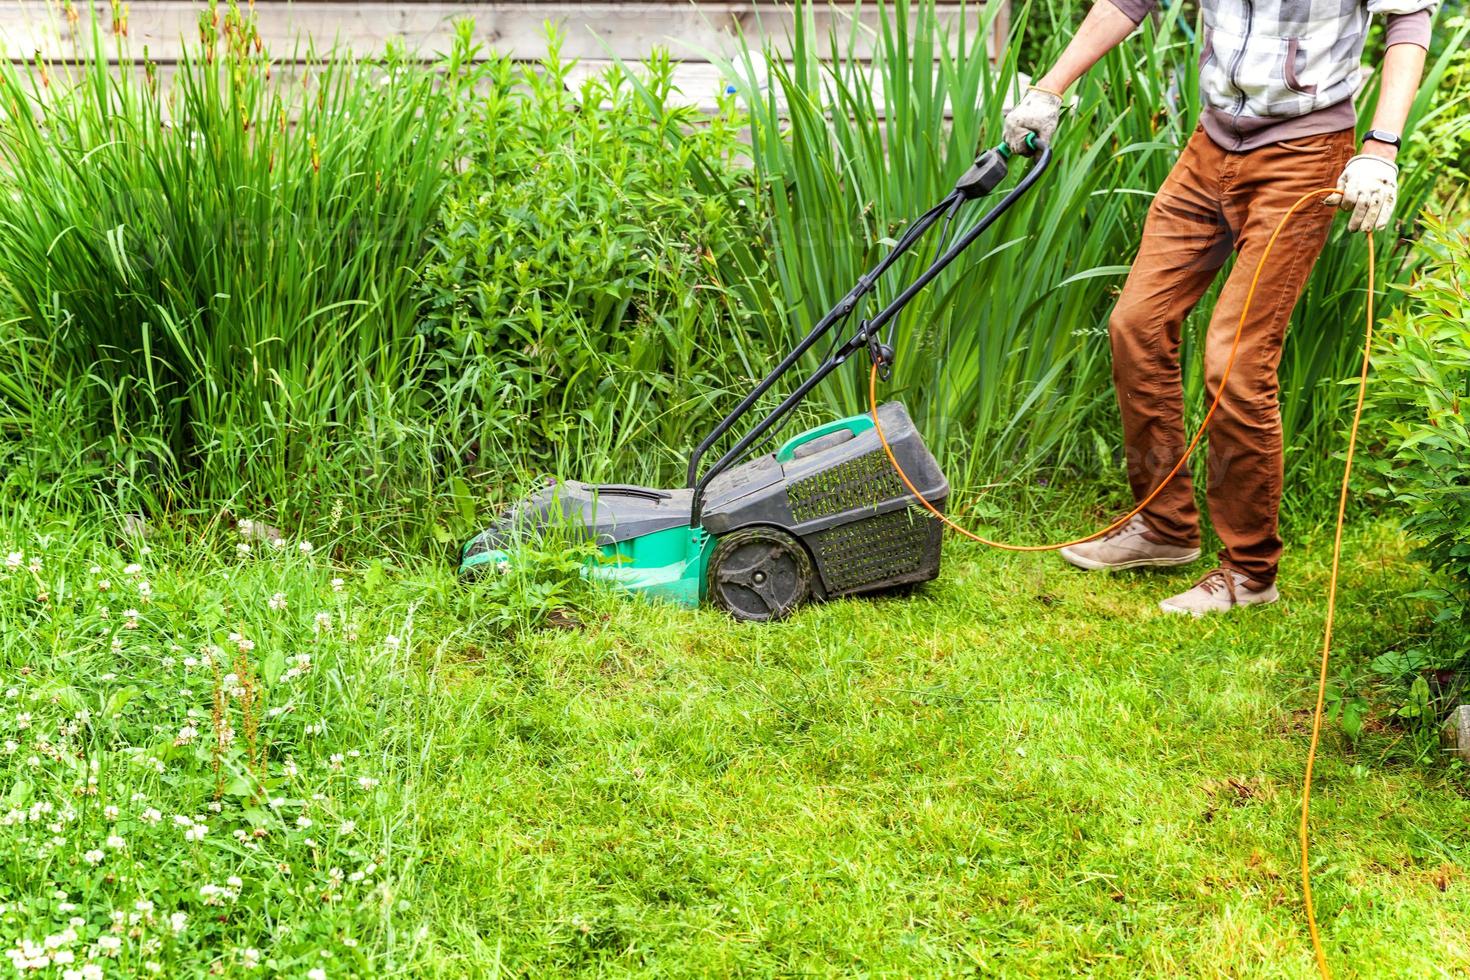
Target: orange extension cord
1322 967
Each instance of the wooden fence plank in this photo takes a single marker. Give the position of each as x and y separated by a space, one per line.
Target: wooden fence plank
594 30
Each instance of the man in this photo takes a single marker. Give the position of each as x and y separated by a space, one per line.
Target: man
1277 79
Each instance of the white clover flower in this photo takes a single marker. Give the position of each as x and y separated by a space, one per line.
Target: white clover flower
103 585
323 621
110 813
250 958
316 973
335 762
306 547
243 548
109 944
186 735
391 642
337 585
277 602
144 906
115 842
35 564
11 746
278 543
196 832
303 822
347 827
95 570
94 856
130 619
245 525
368 783
289 767
14 559
145 589
132 569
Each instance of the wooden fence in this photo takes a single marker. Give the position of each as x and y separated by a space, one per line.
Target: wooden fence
594 32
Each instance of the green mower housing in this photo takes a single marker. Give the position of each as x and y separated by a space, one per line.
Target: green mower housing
825 515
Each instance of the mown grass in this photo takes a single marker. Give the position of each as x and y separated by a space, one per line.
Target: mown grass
1018 769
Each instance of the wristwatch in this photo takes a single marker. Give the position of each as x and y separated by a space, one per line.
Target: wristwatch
1382 136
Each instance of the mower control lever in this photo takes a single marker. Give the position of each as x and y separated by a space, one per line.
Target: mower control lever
879 353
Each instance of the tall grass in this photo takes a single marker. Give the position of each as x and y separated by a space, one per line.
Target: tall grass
215 276
1004 358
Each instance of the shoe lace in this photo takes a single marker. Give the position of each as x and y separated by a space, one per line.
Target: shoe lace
1134 525
1213 581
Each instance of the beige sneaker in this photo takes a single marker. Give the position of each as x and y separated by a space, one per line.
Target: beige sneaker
1220 591
1128 547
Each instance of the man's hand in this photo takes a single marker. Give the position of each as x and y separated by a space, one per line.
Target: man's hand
1368 187
1037 112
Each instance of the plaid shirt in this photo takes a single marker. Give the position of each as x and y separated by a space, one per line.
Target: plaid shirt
1266 63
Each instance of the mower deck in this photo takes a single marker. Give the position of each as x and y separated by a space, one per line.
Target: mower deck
825 515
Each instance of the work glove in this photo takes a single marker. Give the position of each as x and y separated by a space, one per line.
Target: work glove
1037 112
1368 187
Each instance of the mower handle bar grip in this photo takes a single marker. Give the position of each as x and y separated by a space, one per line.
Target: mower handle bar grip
866 283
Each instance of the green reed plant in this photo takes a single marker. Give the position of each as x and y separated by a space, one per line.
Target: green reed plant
1004 358
218 271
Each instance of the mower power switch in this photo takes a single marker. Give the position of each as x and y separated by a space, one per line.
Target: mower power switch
985 176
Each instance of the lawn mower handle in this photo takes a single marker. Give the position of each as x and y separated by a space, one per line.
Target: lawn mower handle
986 173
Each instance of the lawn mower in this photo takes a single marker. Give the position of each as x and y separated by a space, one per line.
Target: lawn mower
822 516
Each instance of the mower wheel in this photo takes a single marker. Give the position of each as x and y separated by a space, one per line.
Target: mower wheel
759 574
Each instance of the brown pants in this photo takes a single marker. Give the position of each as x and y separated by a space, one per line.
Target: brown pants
1215 202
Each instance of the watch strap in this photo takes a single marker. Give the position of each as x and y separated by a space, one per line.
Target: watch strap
1382 136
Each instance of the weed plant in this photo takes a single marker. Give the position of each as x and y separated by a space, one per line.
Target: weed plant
594 288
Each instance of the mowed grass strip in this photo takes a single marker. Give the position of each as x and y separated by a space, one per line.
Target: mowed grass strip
1019 768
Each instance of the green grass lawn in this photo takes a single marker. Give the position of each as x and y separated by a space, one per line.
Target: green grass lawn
1019 769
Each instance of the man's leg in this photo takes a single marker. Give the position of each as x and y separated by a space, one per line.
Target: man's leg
1185 242
1244 464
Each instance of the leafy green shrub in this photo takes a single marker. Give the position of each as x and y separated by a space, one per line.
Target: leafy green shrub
586 287
1421 395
